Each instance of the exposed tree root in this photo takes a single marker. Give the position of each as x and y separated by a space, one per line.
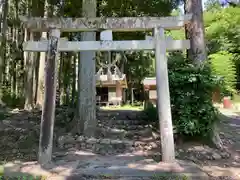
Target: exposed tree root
216 140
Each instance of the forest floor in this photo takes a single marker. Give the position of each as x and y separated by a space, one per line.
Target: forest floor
124 141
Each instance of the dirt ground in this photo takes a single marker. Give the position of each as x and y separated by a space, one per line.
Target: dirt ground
221 164
230 135
19 133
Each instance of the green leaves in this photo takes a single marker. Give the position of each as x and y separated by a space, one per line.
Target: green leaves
191 91
223 39
136 8
222 65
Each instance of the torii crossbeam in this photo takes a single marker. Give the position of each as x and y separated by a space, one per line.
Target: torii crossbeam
77 46
109 23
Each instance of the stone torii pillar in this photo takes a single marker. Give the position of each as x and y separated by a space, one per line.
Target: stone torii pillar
48 111
163 96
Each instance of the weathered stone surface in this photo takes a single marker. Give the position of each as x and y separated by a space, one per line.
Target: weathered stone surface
48 111
145 169
68 46
103 145
127 168
67 139
96 24
216 156
80 138
113 133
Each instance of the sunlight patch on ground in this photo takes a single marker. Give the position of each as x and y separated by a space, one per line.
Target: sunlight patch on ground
126 107
219 171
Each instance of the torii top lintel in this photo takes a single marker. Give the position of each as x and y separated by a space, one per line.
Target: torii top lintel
99 24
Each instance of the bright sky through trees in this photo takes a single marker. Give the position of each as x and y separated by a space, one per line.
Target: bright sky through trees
203 2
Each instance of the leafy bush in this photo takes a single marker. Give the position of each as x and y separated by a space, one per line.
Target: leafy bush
222 64
191 91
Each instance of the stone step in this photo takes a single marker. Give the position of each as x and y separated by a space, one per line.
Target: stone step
123 122
125 127
112 133
130 127
118 115
121 134
104 145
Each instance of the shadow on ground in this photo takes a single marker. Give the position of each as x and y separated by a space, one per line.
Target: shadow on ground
127 146
112 167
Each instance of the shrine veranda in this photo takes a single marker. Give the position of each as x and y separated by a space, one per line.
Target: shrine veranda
106 26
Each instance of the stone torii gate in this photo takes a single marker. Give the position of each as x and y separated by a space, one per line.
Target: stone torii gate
158 43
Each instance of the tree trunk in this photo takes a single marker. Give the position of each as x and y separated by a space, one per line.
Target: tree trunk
14 64
87 85
195 32
39 9
29 64
18 52
74 90
3 46
35 75
59 82
197 53
40 89
14 50
42 60
29 79
67 85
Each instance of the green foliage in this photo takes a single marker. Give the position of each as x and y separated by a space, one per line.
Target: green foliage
138 66
12 100
222 28
2 116
191 91
121 8
222 65
151 113
126 8
169 176
212 5
236 98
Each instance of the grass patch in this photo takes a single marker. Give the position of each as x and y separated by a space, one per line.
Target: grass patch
169 176
1 170
236 98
